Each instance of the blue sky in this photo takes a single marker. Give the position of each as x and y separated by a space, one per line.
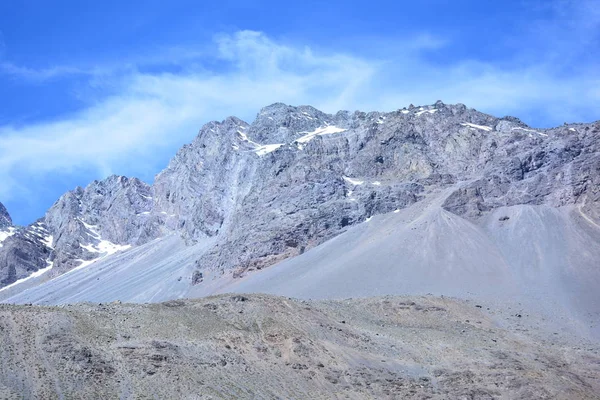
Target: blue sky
94 88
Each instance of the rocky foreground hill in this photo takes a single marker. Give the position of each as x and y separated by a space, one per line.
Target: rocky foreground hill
263 347
256 194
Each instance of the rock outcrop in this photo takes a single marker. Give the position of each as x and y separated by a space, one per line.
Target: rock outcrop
5 220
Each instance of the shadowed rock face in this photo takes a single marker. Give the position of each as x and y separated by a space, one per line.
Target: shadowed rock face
296 177
257 346
5 220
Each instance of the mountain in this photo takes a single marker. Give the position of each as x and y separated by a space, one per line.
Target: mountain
448 199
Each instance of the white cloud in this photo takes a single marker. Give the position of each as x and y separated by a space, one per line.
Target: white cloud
151 111
39 74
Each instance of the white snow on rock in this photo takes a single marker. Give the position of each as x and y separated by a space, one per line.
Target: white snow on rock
38 232
405 111
528 130
48 241
326 130
37 273
353 181
425 111
245 138
267 148
259 149
573 129
5 234
376 183
474 126
103 247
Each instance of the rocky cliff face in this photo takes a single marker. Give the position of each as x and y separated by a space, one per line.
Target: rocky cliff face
5 220
296 177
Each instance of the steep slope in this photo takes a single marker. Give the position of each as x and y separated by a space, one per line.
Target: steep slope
252 195
156 271
84 225
537 258
264 347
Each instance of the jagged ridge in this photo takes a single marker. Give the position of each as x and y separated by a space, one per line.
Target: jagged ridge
297 177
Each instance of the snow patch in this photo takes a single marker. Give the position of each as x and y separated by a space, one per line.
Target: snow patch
48 241
6 234
528 130
405 111
376 183
267 148
326 130
396 211
103 247
482 127
245 138
573 129
426 111
353 181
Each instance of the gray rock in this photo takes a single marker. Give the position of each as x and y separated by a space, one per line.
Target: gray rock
24 252
5 220
296 177
106 215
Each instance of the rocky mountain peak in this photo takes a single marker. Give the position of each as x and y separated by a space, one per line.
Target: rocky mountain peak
5 220
281 123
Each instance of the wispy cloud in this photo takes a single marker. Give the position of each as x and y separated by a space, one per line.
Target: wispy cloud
33 74
151 111
241 72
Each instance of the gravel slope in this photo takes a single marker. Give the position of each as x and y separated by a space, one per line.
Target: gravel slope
536 258
265 347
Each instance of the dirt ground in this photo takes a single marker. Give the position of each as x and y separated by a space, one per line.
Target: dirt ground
268 347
